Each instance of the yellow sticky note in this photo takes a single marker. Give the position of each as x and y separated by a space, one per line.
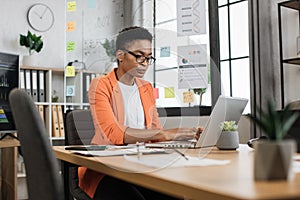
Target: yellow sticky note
188 97
70 46
71 26
71 6
70 71
169 92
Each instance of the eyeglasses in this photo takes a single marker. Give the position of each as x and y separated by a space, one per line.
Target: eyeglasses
141 59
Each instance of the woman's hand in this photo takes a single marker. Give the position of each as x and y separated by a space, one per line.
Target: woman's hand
199 131
182 134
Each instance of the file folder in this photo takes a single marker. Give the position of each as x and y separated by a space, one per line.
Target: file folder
86 86
48 121
41 111
93 76
60 121
55 125
34 84
22 79
28 81
41 86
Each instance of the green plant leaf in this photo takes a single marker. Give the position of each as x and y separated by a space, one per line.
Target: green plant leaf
110 49
275 124
32 42
289 122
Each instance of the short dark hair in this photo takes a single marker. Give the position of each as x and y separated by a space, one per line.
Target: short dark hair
130 34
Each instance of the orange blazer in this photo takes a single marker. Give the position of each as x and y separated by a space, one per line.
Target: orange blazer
106 105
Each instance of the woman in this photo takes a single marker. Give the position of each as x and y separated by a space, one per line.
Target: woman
123 109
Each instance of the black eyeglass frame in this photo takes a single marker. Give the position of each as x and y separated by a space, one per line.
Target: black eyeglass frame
141 59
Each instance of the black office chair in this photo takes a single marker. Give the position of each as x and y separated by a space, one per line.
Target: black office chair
79 131
44 180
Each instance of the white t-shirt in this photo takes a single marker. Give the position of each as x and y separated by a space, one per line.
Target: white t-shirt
133 109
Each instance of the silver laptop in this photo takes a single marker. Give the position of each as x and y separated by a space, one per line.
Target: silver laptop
226 109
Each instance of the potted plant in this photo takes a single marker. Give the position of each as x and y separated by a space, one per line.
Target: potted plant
110 49
229 138
200 92
273 157
33 43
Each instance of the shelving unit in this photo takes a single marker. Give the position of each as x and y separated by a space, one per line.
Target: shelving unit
293 60
77 89
56 94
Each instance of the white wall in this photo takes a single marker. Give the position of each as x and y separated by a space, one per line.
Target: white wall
14 22
104 23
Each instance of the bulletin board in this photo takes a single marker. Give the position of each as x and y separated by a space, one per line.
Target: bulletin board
89 23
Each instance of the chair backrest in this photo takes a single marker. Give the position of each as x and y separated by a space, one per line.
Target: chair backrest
79 130
44 180
80 127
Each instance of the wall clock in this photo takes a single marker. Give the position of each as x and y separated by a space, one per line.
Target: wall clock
40 17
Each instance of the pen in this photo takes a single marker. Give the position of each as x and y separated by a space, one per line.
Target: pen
138 150
182 154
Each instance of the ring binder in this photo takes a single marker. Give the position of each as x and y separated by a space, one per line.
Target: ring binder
41 86
34 84
28 82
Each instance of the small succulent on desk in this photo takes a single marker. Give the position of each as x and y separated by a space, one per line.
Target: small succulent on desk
32 42
229 138
229 126
275 124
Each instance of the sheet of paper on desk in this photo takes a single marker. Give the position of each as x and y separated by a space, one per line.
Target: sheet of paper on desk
174 160
296 164
119 152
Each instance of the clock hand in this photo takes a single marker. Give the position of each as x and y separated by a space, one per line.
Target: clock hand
37 14
44 12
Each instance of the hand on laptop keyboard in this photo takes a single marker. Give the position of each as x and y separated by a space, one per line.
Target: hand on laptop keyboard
185 134
199 131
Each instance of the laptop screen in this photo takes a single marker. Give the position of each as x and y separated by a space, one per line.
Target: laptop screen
226 109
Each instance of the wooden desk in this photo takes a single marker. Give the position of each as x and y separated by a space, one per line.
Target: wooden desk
9 168
231 181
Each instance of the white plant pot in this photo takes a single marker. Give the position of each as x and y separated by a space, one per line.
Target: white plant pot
29 60
228 140
273 160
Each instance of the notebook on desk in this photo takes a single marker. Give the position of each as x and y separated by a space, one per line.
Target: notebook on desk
226 109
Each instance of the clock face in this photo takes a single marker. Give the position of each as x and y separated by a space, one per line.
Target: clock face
40 17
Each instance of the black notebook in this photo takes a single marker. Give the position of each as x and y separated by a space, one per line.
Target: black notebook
87 148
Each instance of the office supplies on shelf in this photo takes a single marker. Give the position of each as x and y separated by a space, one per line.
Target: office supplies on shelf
60 121
34 83
55 125
41 86
22 79
70 91
41 111
93 76
86 86
28 81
